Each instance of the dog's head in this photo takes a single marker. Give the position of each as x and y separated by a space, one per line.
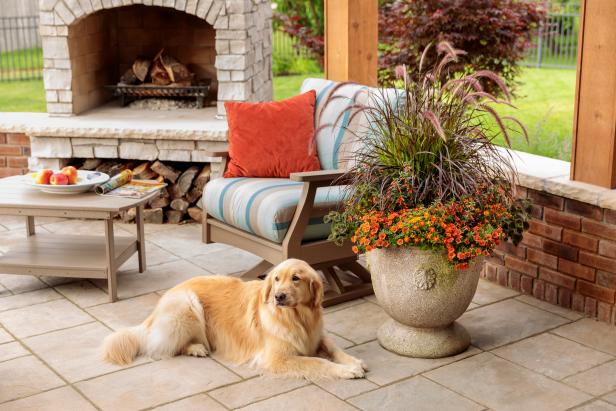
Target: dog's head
292 283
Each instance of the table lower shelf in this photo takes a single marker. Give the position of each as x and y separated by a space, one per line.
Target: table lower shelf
62 255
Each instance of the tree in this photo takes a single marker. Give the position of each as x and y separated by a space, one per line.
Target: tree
304 20
494 34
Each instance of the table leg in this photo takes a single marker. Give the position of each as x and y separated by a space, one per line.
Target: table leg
30 231
140 238
112 280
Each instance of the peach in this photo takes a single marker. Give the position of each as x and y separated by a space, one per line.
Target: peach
58 179
71 173
42 177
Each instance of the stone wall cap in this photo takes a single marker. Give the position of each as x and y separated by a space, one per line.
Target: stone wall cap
552 176
112 121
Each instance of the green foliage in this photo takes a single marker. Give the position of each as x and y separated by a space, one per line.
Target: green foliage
493 33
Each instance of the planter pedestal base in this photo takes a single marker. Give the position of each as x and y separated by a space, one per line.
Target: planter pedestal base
423 342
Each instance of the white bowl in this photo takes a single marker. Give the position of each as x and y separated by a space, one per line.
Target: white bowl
85 181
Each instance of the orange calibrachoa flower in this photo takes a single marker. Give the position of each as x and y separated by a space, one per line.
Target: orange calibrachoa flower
463 229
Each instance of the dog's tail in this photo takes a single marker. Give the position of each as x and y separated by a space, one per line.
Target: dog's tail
124 345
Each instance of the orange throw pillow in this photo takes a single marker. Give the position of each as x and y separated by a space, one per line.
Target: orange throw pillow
272 139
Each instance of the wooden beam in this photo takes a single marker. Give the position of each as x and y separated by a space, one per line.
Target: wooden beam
594 129
351 40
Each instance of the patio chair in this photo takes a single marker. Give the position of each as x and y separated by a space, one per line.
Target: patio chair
278 218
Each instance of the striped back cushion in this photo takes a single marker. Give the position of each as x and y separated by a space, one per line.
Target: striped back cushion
336 124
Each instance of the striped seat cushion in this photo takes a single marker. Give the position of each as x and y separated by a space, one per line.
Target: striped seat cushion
265 206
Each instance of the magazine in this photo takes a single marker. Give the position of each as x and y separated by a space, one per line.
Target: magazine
136 189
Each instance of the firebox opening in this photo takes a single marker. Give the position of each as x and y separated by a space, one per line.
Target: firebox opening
105 44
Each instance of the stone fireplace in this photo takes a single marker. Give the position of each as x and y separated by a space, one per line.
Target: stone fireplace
88 44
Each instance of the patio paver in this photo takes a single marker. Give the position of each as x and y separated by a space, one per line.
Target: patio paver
418 394
61 398
507 321
596 381
28 376
156 383
553 356
501 385
528 354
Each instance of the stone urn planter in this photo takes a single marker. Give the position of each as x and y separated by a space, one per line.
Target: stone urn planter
424 295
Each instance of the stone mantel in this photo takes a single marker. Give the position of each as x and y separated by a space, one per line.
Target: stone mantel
112 121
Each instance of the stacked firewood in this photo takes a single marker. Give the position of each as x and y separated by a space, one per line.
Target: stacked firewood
162 70
180 201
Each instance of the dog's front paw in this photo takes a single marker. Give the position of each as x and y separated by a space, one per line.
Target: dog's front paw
196 350
352 371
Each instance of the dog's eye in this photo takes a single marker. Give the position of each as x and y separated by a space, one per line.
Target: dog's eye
295 278
275 278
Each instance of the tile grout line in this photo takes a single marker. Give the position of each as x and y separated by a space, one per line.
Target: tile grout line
53 370
379 386
561 381
60 297
551 312
579 342
454 391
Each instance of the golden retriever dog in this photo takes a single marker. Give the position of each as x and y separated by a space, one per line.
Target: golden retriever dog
275 325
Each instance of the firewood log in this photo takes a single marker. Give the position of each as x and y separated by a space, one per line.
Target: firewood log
193 195
144 172
159 74
129 78
141 68
203 177
174 216
186 180
178 73
165 171
160 202
196 214
180 204
153 216
91 164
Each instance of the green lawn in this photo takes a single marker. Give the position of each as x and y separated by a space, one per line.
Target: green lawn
22 96
545 106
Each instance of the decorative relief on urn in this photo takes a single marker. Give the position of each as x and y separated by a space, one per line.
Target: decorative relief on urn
424 279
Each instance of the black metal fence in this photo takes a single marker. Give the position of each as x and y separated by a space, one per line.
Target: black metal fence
21 57
556 44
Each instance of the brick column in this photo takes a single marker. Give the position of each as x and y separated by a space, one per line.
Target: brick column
14 153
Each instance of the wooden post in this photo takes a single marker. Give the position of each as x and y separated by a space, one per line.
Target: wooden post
594 129
351 40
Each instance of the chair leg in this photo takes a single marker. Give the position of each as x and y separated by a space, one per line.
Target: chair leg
341 292
206 238
257 271
359 270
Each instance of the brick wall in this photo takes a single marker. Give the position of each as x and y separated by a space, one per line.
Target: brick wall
567 257
14 153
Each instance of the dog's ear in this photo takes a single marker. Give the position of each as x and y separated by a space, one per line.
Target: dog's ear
267 287
316 290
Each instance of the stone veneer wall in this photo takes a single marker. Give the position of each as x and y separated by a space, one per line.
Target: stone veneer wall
568 256
14 153
53 152
243 45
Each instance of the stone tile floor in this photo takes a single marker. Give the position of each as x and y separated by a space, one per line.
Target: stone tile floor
526 354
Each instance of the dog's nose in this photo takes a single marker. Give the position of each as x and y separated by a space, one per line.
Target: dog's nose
280 297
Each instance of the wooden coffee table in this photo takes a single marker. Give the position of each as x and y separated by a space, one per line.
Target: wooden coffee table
68 255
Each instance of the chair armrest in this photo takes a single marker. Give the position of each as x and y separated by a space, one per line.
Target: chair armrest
322 176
